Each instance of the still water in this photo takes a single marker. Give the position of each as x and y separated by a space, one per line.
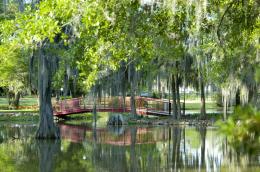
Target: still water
123 149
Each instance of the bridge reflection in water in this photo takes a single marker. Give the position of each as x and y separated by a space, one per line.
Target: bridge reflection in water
153 148
114 135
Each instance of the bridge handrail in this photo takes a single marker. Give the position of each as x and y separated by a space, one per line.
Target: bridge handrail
81 104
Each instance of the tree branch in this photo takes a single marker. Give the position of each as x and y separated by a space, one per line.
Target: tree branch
222 18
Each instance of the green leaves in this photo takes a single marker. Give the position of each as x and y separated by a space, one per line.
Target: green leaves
242 129
98 35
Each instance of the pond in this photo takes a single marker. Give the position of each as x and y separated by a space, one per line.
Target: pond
122 149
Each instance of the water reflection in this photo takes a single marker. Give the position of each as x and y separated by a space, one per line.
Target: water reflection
121 149
47 149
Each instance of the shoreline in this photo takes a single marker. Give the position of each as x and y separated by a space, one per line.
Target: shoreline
129 120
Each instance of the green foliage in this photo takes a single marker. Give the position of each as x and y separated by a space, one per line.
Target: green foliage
13 67
191 40
243 129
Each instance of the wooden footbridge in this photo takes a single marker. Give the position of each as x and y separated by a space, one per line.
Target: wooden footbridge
144 106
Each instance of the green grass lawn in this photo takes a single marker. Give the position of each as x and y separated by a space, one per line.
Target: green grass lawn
3 101
197 105
23 101
28 101
20 110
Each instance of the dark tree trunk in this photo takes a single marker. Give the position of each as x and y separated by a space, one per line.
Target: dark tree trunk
10 98
159 86
178 101
133 107
252 95
174 104
225 108
132 88
13 99
184 99
202 98
238 98
169 96
66 85
184 96
123 96
16 100
47 129
74 94
123 86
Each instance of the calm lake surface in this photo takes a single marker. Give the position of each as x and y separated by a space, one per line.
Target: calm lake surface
122 149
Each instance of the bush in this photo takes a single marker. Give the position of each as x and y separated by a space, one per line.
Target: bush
243 129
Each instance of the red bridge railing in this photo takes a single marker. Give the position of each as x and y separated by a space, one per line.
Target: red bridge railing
144 106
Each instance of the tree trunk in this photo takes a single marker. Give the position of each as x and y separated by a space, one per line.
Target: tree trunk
159 86
132 89
47 128
184 99
133 107
238 98
174 104
225 108
123 93
184 94
74 94
66 85
124 103
252 95
13 99
16 100
178 101
202 98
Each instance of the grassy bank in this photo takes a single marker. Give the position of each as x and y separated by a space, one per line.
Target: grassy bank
19 111
19 118
192 119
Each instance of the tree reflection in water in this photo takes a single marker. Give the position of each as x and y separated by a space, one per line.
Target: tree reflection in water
133 158
202 131
126 149
47 149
